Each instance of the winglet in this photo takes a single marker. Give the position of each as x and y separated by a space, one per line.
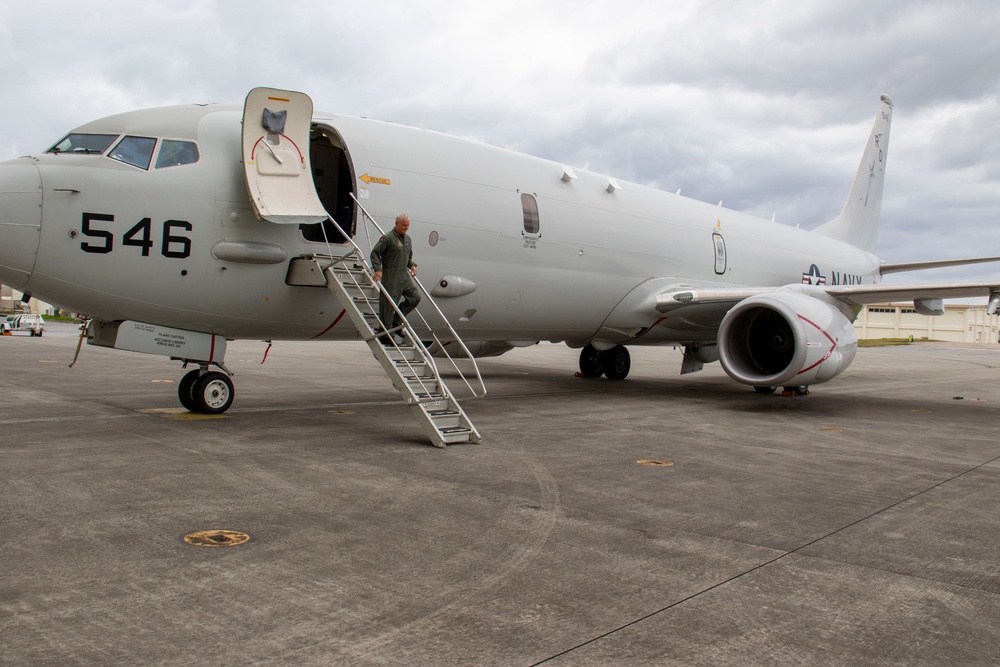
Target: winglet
857 223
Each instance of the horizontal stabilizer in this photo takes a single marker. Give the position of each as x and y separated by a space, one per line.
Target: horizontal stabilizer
886 269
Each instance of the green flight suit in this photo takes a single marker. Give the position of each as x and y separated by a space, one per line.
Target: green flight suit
393 256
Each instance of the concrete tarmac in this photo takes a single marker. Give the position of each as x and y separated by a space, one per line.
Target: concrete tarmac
857 525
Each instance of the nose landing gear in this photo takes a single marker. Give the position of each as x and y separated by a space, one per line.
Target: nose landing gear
205 391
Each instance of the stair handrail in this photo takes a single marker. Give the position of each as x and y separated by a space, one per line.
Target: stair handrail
453 335
447 323
388 336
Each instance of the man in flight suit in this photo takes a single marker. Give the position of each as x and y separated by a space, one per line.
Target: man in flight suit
392 259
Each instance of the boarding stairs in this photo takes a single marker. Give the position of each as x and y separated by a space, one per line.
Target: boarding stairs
404 351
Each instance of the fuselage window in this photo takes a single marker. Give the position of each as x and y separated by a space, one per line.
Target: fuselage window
136 151
174 153
83 143
530 209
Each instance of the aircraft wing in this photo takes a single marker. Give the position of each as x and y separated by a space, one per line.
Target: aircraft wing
860 295
851 295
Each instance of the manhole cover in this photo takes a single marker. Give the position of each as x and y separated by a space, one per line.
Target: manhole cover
654 462
216 538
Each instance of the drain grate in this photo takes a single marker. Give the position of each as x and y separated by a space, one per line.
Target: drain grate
216 538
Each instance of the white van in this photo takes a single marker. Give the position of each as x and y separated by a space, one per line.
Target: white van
34 324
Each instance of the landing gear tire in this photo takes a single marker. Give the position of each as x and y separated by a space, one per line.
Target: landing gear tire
591 362
801 390
764 390
617 363
214 393
185 391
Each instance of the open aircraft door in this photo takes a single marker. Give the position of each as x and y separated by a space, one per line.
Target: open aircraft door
276 126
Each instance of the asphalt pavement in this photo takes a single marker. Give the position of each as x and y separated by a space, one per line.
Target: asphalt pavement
659 520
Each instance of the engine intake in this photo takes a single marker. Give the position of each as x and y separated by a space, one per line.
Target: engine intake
785 338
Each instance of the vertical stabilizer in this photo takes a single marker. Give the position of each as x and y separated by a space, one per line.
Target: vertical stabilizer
857 224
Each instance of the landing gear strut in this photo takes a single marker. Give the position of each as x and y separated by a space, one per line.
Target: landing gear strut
614 363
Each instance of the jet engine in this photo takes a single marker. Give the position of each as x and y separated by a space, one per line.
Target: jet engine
785 338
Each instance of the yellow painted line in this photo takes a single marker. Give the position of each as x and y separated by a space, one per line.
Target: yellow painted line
166 381
180 414
654 462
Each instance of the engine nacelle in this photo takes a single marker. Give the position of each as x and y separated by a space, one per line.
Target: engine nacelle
478 348
785 338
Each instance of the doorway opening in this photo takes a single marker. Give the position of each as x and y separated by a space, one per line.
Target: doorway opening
333 178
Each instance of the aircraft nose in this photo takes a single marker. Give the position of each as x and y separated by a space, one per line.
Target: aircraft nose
20 220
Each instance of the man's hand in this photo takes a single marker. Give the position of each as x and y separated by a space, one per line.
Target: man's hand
377 276
413 270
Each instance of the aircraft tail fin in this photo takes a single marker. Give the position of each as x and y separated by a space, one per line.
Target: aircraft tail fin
857 223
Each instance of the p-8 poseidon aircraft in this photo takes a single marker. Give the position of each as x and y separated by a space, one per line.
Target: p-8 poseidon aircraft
179 228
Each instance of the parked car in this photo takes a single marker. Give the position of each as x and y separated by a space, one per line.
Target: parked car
30 322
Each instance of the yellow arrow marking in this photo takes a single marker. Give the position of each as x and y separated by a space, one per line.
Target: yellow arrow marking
371 179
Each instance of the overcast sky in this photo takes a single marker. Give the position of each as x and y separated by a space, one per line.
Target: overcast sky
765 105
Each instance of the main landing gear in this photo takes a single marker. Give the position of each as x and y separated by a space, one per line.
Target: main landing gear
205 391
800 390
614 363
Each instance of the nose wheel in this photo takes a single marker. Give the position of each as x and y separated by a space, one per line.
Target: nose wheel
210 392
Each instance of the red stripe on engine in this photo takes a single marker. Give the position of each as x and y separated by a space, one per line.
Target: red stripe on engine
829 352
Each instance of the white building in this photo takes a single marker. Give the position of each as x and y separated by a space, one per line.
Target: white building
10 302
961 323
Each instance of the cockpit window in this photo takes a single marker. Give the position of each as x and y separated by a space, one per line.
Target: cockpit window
136 151
174 153
84 143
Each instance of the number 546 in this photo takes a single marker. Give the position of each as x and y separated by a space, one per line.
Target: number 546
140 235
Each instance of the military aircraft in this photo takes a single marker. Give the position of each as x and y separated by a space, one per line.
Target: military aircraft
176 229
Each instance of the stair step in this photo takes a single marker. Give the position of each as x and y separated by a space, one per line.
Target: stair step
403 354
443 413
443 419
465 435
406 363
340 270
